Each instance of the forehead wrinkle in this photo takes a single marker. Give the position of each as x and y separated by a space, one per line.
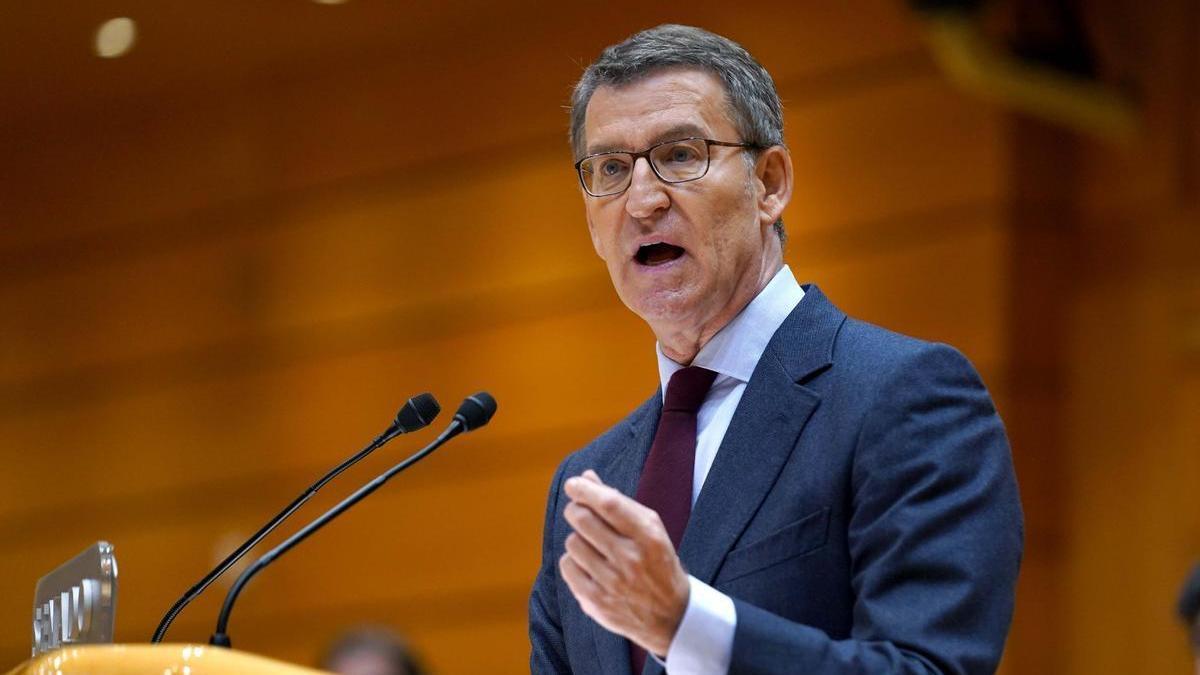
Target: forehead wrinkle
674 133
642 104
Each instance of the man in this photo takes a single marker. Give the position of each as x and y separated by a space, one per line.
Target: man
370 651
807 493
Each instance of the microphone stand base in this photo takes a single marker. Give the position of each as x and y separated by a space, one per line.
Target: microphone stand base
220 640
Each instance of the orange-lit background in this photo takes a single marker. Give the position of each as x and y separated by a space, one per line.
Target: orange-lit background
226 258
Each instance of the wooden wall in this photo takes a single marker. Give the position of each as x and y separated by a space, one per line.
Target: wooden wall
210 295
1127 505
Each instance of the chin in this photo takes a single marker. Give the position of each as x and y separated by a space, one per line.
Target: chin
664 307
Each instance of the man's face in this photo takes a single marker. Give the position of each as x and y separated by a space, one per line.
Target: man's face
680 255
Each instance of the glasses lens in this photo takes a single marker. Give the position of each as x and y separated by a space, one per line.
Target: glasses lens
680 161
606 174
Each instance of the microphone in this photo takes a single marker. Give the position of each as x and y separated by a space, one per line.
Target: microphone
416 413
474 412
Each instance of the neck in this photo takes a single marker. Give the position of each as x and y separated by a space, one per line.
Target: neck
681 344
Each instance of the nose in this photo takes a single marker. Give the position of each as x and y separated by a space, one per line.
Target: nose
646 193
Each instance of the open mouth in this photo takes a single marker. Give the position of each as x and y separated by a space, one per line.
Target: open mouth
657 253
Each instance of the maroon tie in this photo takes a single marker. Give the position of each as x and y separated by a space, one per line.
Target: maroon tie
666 483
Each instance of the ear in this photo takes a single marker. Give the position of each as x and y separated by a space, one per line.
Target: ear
774 173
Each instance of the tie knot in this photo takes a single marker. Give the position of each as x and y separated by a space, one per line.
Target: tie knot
687 389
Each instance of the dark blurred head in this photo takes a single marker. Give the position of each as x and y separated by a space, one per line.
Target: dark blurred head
1189 610
371 651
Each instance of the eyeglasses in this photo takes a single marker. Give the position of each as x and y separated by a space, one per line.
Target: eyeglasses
609 173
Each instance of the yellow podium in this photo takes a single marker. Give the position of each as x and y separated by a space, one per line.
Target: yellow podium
168 659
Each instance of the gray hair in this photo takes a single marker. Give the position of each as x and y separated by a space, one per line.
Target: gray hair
753 104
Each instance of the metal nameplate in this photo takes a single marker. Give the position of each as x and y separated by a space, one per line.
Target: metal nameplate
77 603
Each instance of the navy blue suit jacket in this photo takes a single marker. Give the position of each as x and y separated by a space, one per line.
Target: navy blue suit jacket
862 512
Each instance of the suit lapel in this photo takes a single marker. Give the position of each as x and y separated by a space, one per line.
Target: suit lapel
768 421
759 440
622 473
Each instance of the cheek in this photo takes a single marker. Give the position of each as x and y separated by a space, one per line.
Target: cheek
600 234
730 222
733 240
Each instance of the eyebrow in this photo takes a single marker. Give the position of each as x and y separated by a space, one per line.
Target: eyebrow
685 130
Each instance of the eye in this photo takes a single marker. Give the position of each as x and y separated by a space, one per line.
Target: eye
681 154
612 166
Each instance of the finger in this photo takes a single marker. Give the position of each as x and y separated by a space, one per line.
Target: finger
623 514
594 563
592 476
582 586
592 600
593 528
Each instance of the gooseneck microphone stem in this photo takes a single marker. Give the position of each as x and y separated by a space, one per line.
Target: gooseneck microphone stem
220 637
416 413
250 543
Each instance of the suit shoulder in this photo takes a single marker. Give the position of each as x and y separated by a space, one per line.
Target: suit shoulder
873 353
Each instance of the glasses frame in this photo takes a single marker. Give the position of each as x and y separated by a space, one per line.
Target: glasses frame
708 143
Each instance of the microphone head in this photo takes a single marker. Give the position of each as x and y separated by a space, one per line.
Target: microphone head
417 412
476 410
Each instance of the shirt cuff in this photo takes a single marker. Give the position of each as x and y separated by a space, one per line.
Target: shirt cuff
703 644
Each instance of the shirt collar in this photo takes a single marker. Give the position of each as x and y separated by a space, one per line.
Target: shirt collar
735 350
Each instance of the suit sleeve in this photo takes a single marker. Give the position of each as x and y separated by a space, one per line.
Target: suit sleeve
934 536
548 650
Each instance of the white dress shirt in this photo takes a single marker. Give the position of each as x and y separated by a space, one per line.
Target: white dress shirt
704 642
